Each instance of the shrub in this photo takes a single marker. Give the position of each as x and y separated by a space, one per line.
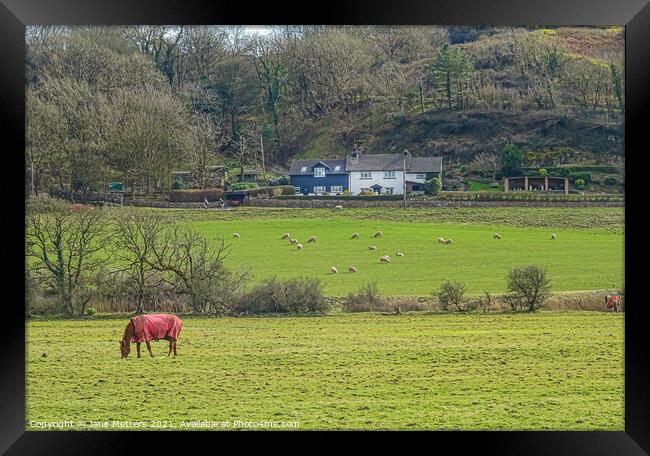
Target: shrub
451 294
528 286
485 303
612 180
433 186
366 299
585 176
90 311
580 184
284 296
543 172
270 192
243 185
511 160
195 196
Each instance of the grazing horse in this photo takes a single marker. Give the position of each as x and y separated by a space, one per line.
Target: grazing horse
144 328
613 302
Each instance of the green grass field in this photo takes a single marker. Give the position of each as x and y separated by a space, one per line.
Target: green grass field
587 254
547 370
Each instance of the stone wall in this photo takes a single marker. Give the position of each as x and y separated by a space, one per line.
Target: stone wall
331 203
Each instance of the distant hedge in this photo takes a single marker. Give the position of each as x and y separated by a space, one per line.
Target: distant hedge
269 192
195 196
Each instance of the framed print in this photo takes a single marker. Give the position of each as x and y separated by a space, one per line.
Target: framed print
420 217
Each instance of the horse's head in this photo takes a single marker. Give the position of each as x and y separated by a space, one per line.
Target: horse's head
125 348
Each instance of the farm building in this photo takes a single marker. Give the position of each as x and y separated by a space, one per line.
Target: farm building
384 174
251 175
536 183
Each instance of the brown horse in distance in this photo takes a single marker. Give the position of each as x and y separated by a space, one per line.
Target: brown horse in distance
144 328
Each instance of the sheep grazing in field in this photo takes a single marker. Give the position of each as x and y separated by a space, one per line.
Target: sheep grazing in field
441 241
384 259
372 247
352 269
293 241
399 254
448 241
235 235
312 239
299 246
553 236
497 236
338 208
334 270
378 234
355 236
286 236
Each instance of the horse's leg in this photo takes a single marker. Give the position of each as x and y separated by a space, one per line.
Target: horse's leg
149 348
170 348
174 347
138 348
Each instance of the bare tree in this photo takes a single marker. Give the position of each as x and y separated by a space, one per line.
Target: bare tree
135 233
65 246
197 271
488 163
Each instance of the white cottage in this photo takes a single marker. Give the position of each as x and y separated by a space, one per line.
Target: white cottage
385 173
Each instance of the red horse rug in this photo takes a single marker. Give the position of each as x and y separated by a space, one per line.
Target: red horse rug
156 327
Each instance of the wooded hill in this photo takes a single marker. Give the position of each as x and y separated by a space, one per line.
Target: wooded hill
135 103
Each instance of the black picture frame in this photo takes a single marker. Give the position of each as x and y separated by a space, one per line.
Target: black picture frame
634 14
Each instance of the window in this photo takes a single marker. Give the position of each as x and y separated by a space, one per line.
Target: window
388 190
319 172
420 176
389 174
336 188
337 168
365 175
366 190
320 189
303 169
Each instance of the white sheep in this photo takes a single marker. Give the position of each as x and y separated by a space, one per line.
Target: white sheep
235 235
379 234
338 207
334 270
355 236
293 241
312 239
399 254
286 236
441 241
372 247
384 259
299 246
553 236
497 236
352 269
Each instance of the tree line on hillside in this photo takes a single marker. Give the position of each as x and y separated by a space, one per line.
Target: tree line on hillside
134 103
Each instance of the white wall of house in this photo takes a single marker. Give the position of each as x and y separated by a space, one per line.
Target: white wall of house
416 177
358 181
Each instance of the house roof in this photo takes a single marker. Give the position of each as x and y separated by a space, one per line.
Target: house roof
394 162
298 165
